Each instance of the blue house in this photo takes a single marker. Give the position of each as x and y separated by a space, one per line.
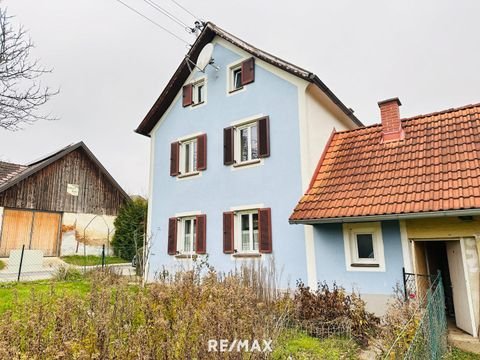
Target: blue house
233 148
402 194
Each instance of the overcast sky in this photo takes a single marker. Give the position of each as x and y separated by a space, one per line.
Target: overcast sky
111 65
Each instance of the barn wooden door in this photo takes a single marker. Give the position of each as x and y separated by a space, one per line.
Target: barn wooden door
37 230
16 230
46 227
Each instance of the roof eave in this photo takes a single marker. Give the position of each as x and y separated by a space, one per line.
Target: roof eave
367 218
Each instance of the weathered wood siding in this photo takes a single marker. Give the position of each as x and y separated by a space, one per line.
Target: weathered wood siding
47 189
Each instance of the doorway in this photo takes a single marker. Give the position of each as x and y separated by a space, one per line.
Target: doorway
458 275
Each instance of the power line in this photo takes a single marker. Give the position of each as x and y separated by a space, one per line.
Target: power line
152 21
185 9
167 14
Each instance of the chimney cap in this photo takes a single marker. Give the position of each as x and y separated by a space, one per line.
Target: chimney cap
383 102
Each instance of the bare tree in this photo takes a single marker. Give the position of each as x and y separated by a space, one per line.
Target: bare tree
21 92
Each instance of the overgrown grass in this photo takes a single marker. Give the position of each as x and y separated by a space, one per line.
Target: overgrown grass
457 354
91 260
301 346
21 293
2 265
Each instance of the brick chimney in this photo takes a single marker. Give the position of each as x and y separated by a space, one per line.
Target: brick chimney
391 125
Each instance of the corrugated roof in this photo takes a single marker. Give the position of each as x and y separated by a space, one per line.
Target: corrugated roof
435 168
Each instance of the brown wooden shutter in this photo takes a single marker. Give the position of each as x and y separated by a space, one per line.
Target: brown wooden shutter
201 234
248 71
263 129
228 231
202 152
172 236
228 157
187 95
265 230
174 157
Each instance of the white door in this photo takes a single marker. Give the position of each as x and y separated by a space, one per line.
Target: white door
461 295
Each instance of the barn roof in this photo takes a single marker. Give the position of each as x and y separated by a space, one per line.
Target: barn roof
11 174
436 168
183 71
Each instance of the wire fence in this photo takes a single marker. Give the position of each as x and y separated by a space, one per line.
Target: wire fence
427 328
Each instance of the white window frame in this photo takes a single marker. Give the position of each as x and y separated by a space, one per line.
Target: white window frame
181 235
192 157
353 262
231 90
201 81
238 231
238 143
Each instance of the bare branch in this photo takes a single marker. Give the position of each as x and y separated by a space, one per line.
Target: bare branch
21 93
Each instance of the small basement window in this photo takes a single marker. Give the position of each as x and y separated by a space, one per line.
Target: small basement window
364 247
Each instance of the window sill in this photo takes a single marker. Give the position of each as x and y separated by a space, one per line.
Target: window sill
247 255
235 90
182 176
198 104
246 163
357 265
185 256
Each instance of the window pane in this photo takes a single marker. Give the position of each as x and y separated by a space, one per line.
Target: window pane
244 144
237 79
194 237
254 141
255 231
194 157
365 246
186 237
199 93
245 232
187 157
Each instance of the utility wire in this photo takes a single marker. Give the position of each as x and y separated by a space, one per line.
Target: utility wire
167 14
186 10
152 21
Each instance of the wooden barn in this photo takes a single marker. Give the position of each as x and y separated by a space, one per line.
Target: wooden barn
57 203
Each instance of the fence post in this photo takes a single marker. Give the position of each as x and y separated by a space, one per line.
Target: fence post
103 256
21 262
405 284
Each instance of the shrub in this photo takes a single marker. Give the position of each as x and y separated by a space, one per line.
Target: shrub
66 273
2 265
334 308
130 228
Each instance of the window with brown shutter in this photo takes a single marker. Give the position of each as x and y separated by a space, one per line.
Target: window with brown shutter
263 137
265 230
248 71
228 150
172 236
228 232
174 155
201 234
187 95
202 152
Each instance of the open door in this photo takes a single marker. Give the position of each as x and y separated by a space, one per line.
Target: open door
420 268
462 300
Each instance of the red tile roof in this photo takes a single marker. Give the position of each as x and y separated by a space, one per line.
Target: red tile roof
435 168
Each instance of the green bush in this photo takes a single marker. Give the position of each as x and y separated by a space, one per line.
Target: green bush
130 228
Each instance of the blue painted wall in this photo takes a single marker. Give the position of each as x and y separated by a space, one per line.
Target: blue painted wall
276 184
331 265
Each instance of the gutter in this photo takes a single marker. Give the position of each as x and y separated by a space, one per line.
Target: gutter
349 219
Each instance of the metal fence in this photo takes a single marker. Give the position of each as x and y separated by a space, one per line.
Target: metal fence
428 325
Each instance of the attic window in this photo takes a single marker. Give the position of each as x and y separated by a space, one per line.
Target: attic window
199 92
241 74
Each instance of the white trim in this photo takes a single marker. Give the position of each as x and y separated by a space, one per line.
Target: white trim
376 230
188 213
181 235
246 120
229 68
469 290
237 238
189 137
247 207
149 235
407 255
195 82
247 164
310 256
